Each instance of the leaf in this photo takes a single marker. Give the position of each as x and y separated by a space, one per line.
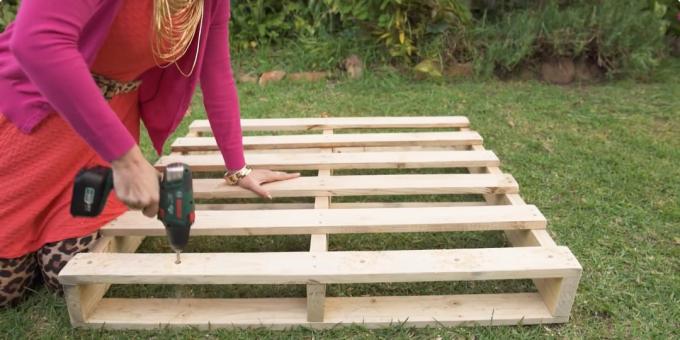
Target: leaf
429 67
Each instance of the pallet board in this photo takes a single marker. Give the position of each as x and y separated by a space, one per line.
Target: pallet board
336 221
188 144
337 161
325 147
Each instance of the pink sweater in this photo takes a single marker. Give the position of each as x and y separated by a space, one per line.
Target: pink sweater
45 59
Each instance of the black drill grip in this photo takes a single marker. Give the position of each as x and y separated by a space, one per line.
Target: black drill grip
90 191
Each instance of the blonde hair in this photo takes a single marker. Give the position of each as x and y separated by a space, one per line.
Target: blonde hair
175 23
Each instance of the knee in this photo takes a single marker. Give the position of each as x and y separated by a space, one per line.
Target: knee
15 276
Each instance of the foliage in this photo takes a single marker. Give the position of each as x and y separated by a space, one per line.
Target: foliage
600 162
401 26
404 26
8 10
498 35
619 36
671 8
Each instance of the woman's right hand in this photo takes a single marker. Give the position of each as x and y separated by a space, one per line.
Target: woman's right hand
136 182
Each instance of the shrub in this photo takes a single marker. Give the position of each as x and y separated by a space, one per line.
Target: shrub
8 10
622 37
403 27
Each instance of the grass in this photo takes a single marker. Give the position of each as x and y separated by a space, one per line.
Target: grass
601 162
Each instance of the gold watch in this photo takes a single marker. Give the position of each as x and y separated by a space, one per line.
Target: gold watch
234 177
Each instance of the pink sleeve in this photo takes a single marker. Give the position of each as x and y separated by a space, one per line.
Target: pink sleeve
219 90
45 43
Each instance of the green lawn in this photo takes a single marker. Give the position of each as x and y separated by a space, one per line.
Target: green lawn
602 163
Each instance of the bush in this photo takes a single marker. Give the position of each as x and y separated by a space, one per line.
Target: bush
403 27
8 10
498 35
621 37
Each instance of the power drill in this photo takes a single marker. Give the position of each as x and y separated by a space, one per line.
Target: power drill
176 205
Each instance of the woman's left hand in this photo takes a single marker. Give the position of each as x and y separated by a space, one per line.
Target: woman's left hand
257 177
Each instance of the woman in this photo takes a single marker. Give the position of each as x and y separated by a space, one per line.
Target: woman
76 76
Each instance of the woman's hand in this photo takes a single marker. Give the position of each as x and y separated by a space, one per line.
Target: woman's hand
136 182
257 177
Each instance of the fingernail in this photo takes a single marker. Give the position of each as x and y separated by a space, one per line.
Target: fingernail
269 196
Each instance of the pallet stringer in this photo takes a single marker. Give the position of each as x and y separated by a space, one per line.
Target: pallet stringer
82 299
316 293
558 293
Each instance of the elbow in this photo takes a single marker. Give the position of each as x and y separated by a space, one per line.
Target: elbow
22 48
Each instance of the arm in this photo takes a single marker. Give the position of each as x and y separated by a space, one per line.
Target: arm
45 43
221 103
219 90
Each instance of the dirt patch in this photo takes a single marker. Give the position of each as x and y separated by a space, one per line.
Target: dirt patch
559 71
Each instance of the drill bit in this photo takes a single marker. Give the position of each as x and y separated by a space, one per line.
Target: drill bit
178 260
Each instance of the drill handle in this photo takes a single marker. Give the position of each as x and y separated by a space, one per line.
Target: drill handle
91 189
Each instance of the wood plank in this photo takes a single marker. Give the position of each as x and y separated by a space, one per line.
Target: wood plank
366 185
355 205
359 160
340 149
186 144
316 293
366 205
558 293
323 267
283 313
333 221
292 124
82 299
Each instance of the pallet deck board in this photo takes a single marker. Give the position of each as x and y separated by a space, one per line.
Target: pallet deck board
482 199
186 144
333 221
357 160
283 313
366 185
301 124
324 267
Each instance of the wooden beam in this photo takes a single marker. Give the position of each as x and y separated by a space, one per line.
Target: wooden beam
357 160
341 149
186 144
353 205
366 185
284 313
323 267
316 293
558 293
81 300
333 221
299 124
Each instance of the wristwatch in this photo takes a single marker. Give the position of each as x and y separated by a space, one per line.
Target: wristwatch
233 177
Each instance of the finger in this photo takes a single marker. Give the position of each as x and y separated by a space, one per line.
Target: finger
256 188
134 204
286 176
281 176
150 210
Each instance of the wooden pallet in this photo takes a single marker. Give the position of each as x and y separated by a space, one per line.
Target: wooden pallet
534 255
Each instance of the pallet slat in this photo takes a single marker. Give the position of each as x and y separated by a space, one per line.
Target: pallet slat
333 221
282 313
292 124
366 185
359 160
186 144
323 267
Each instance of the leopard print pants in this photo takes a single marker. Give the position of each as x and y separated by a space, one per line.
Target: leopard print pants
18 274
